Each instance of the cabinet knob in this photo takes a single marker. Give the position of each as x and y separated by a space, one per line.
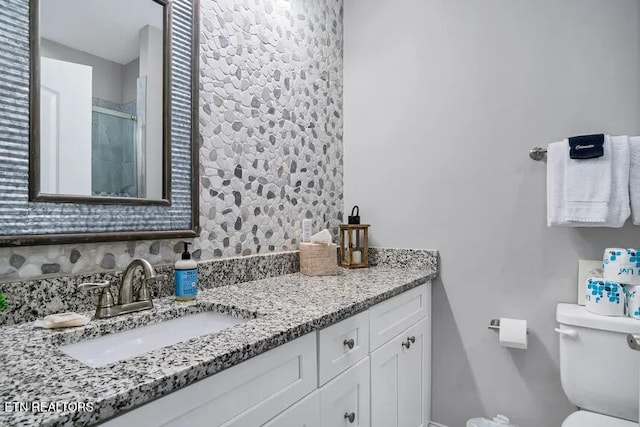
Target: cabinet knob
351 416
349 343
408 342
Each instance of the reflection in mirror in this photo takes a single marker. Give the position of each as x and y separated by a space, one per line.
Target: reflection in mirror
103 81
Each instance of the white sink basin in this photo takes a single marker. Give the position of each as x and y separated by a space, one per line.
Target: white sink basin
123 345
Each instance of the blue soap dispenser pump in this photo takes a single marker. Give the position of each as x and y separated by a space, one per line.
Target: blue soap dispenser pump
186 276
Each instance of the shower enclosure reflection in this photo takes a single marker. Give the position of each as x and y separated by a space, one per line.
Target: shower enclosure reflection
115 136
103 102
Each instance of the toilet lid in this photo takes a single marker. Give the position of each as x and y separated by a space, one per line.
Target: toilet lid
591 419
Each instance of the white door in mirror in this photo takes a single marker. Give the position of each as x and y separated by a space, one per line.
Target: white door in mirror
65 115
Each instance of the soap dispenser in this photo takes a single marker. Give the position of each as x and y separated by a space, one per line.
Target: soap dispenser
186 276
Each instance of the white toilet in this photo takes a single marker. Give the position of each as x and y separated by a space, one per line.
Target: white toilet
600 373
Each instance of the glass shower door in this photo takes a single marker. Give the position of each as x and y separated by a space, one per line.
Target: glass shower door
114 150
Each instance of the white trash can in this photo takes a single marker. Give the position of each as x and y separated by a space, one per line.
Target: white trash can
497 421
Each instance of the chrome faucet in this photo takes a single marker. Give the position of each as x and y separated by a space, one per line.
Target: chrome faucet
127 301
125 296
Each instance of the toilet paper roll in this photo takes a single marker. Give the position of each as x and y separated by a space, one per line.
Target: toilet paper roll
605 297
622 265
513 333
632 301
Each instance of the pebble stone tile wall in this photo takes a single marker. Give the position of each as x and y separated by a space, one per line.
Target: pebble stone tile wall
271 140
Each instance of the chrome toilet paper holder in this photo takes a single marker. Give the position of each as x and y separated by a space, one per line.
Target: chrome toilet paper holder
494 324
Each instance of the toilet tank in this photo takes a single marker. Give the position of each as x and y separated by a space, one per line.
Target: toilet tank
599 372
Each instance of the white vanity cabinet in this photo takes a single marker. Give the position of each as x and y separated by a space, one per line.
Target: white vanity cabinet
401 360
305 413
344 401
371 369
342 345
400 380
248 394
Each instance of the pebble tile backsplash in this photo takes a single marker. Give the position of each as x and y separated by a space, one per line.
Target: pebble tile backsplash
271 140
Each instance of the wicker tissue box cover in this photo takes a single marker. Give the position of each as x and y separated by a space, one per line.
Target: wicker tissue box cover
317 259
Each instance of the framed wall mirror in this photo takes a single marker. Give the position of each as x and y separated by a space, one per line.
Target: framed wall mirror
98 120
100 104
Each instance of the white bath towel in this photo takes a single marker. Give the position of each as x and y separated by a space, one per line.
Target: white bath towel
617 210
587 186
555 182
634 178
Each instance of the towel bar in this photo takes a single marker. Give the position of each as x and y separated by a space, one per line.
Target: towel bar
537 153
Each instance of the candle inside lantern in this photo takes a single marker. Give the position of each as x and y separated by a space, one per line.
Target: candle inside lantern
354 245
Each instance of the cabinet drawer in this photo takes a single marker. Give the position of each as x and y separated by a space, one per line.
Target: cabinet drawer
391 317
342 345
305 413
248 394
347 395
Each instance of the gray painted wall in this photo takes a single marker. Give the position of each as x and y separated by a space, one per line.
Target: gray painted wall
111 81
130 74
443 100
107 75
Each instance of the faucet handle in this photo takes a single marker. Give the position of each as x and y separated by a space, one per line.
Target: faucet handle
105 300
156 278
143 292
101 284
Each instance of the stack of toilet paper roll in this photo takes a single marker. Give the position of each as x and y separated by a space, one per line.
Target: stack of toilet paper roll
618 292
605 297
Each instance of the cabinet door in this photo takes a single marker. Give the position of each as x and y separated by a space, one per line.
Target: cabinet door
344 401
305 413
400 376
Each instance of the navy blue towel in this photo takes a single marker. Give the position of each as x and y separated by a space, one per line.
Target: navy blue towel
586 146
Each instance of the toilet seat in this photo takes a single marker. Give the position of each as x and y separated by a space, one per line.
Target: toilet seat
591 419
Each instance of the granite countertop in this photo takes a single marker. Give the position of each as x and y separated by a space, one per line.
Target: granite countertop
280 309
